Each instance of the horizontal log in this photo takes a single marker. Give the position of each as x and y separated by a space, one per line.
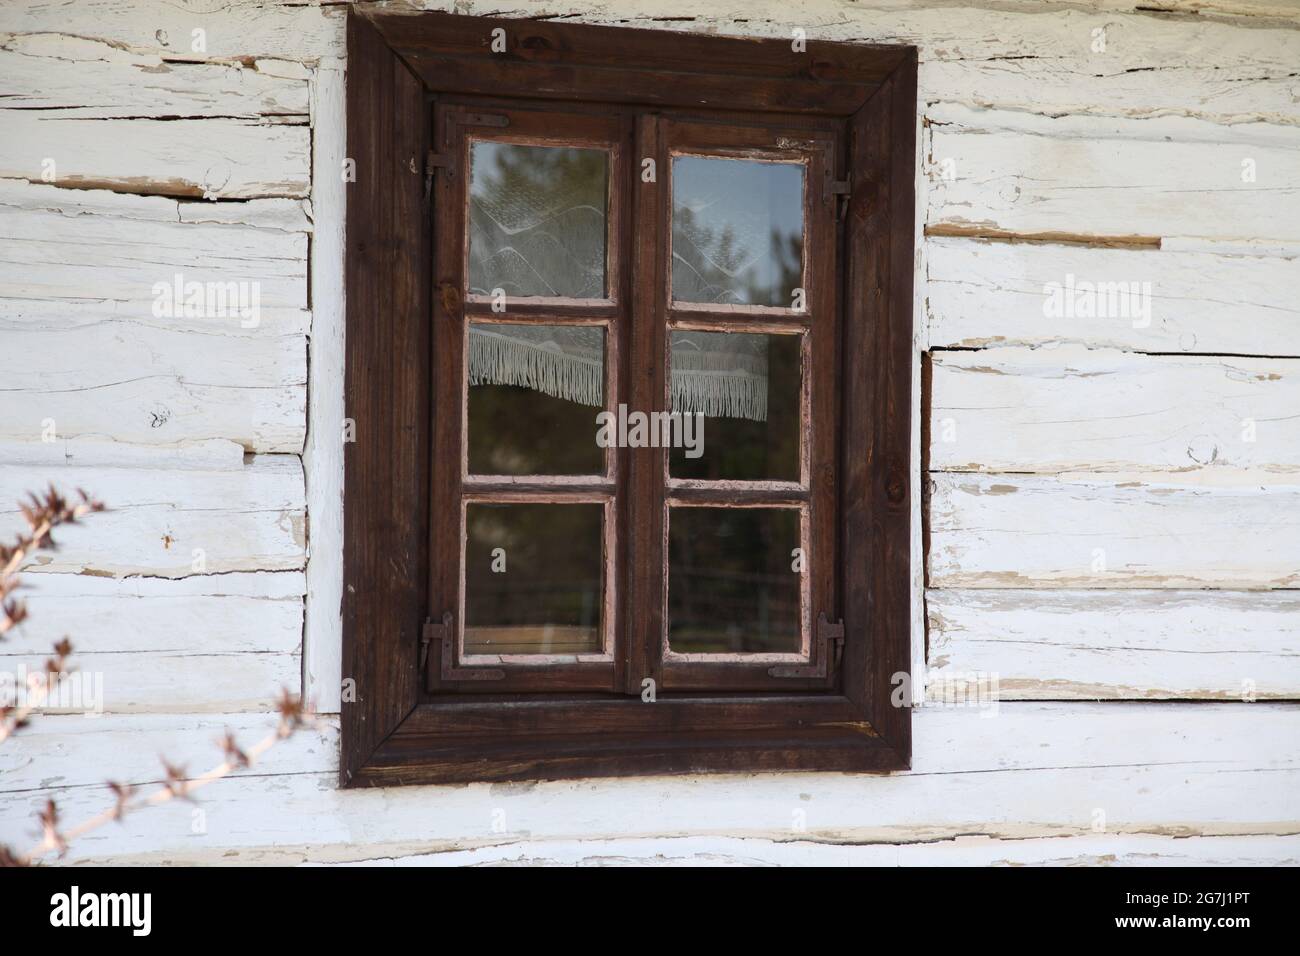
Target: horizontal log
230 614
962 851
78 77
1073 409
1025 531
1033 771
1092 178
129 382
170 523
69 751
238 28
171 683
1100 86
60 254
1229 645
981 293
210 158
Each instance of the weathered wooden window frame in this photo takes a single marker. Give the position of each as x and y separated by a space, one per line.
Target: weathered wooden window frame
394 732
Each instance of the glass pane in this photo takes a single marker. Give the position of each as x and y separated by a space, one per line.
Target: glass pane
534 393
537 220
733 581
737 231
746 386
533 578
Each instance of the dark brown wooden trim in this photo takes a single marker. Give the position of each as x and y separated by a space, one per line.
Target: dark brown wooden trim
386 394
392 734
546 60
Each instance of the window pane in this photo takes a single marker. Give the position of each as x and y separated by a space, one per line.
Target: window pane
537 220
533 576
737 231
534 393
747 388
732 580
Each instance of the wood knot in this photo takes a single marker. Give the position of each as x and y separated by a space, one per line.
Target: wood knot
450 297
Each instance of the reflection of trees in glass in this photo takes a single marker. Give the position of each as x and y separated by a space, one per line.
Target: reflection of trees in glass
713 258
537 220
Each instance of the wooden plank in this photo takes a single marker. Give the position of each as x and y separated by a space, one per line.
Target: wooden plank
1022 531
58 253
982 293
239 28
173 683
247 520
387 387
323 455
979 29
238 613
68 751
1074 409
793 851
1229 645
78 77
132 383
1034 771
1100 86
1089 177
211 158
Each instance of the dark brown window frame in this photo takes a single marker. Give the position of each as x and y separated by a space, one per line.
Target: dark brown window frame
396 733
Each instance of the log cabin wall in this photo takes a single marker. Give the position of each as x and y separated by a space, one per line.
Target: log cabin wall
1107 480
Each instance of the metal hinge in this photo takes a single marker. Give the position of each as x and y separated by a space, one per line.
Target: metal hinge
827 651
445 634
841 191
432 162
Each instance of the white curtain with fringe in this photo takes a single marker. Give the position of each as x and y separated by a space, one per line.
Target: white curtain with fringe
720 375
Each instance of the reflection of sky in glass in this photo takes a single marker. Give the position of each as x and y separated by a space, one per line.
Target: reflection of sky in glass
737 231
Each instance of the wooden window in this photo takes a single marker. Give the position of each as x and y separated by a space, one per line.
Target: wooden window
557 233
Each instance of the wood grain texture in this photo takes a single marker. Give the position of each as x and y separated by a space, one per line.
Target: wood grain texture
1034 771
386 394
979 294
1227 645
207 643
251 519
970 851
323 454
91 245
208 158
79 77
1127 178
1073 409
1023 531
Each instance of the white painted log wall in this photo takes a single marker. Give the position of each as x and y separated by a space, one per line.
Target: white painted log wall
1102 520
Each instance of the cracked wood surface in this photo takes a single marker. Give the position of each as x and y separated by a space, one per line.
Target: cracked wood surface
1034 771
1227 645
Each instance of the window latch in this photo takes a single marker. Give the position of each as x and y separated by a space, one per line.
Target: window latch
445 634
828 648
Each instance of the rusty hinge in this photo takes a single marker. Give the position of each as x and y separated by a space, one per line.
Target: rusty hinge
432 162
841 191
445 634
827 650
